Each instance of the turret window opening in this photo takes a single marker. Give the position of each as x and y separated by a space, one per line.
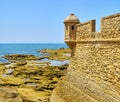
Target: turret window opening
72 27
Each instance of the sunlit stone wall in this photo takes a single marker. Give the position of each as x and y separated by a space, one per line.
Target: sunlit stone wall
94 71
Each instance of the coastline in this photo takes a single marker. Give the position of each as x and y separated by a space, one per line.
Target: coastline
34 74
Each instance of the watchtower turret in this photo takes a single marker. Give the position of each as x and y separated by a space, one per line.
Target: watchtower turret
70 28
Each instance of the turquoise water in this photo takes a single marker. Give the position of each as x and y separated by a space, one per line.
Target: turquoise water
27 48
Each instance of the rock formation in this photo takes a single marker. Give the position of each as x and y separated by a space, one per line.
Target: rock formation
33 79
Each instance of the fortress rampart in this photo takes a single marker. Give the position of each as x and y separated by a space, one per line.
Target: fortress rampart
94 71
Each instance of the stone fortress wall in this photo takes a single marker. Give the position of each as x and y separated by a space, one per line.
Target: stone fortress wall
94 71
110 28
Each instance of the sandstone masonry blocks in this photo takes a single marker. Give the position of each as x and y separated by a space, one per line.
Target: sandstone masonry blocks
94 71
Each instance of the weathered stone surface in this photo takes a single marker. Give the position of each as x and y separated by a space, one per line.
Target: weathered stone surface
94 71
9 95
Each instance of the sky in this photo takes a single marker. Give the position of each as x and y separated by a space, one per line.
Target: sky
41 21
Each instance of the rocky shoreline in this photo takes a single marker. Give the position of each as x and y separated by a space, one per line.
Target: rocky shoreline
32 78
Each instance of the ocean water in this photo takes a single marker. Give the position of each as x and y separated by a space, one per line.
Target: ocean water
27 48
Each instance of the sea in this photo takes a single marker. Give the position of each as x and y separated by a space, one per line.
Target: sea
27 48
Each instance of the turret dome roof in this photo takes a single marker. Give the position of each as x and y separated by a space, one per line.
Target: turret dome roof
71 18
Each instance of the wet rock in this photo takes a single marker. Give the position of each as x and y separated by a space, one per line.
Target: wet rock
1 64
58 54
21 63
20 57
13 81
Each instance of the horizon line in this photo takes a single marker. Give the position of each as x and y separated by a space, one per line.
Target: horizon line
33 43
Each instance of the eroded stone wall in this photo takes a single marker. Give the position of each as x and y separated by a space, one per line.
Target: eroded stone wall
85 30
94 71
97 70
110 26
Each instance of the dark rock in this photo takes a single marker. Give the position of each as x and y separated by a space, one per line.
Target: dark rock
20 57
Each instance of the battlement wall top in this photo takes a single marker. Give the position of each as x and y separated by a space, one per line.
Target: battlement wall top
85 29
110 28
111 16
